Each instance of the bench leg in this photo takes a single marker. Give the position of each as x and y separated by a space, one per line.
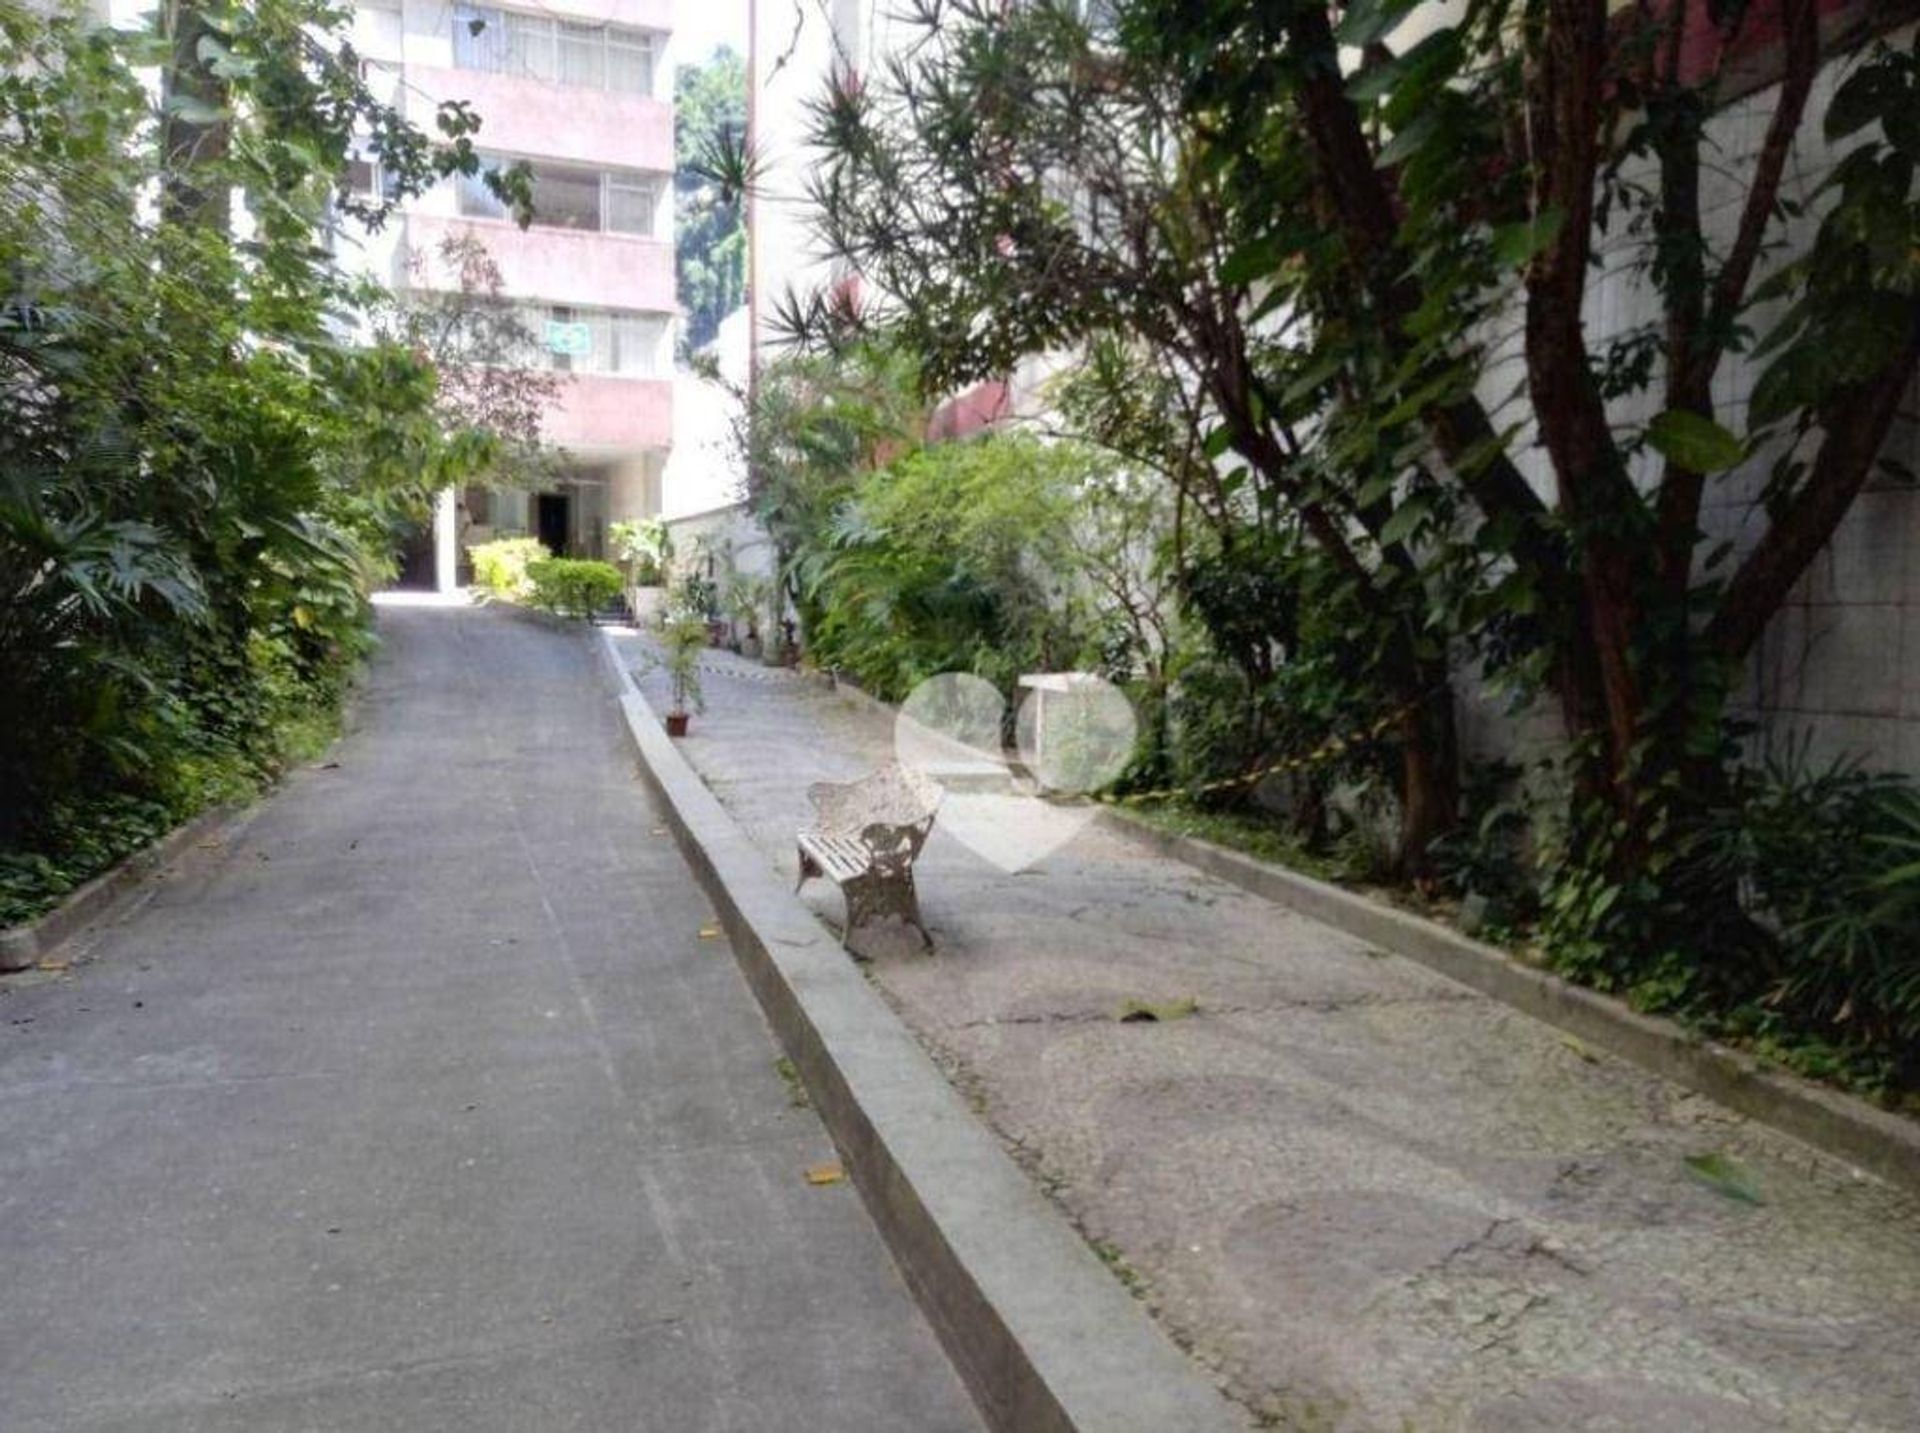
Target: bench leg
872 896
807 871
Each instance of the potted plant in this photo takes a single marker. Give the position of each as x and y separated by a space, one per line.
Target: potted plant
643 550
745 595
684 636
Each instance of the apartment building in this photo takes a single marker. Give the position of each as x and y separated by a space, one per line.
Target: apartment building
582 90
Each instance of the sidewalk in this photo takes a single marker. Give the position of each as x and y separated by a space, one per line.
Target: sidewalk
1366 1196
423 1102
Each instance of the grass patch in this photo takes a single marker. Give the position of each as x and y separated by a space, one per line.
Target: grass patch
1117 1264
1247 832
790 1077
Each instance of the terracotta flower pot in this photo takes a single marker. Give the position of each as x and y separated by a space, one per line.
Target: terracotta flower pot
676 723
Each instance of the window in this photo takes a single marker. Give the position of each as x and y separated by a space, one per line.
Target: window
586 56
565 197
531 46
570 339
476 201
630 201
583 56
479 38
636 345
629 61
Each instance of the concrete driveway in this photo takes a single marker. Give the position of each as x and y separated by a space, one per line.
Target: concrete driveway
422 1101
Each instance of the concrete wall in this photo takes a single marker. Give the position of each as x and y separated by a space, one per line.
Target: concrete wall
729 535
1839 668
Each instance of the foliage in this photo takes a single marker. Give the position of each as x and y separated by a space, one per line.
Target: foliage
1282 243
745 598
644 547
684 636
710 237
198 477
501 566
571 586
492 381
1826 940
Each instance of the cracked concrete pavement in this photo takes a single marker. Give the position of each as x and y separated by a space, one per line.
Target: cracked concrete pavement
1364 1196
422 1102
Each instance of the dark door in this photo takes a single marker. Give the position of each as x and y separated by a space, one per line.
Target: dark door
550 521
416 558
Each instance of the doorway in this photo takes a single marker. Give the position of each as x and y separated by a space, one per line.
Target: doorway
552 521
417 568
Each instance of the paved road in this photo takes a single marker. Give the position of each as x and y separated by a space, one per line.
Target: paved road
1368 1198
421 1103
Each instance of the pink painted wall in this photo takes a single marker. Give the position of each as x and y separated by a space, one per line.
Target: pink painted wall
600 412
640 14
966 413
563 265
527 116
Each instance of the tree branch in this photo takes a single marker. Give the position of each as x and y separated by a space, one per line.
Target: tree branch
1854 423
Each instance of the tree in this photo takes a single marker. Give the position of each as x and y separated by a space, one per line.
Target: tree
198 464
1012 184
1325 247
710 244
484 358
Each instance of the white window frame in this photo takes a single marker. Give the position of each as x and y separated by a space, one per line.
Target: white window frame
530 44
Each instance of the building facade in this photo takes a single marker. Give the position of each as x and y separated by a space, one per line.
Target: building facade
582 91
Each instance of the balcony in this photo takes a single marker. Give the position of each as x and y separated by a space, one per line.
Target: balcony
600 415
540 119
565 266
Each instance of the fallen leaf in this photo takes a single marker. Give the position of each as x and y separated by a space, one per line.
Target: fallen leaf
709 932
825 1173
55 965
659 830
1724 1176
1579 1049
1142 1012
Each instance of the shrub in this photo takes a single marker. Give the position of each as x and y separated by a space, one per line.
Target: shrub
501 566
644 547
572 587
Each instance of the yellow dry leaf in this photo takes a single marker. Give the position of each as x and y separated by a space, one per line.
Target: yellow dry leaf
709 932
53 965
1579 1049
830 1173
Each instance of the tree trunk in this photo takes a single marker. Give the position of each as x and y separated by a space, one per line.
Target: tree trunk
193 128
1429 776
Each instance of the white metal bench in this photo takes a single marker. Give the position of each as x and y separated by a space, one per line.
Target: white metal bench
865 838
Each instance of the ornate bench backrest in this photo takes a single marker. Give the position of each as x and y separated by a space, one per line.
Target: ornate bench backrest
891 809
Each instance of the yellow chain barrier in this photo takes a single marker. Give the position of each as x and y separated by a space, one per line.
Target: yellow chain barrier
1326 751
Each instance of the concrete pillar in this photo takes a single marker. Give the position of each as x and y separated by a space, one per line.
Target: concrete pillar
446 556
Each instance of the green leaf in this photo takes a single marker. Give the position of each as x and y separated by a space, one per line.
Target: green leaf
1698 444
1410 140
1515 244
1406 519
1724 1176
193 110
1254 259
1368 20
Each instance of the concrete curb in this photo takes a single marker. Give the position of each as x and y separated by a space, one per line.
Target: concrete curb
22 946
1850 1129
1044 1337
